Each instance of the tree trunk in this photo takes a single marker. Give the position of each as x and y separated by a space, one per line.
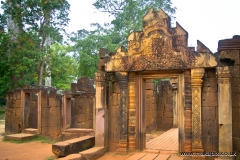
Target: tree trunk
40 72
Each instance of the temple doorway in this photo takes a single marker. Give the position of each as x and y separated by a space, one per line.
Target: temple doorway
159 109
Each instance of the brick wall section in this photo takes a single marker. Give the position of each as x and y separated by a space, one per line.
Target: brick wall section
164 106
151 106
51 113
82 112
114 115
210 111
13 119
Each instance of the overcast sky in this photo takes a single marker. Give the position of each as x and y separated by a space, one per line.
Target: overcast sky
204 20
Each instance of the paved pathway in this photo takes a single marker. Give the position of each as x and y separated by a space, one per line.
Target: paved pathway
163 147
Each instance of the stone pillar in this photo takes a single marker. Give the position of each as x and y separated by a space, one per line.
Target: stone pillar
175 103
101 131
123 82
224 109
196 83
132 112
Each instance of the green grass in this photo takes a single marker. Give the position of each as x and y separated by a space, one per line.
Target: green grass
2 112
38 138
50 158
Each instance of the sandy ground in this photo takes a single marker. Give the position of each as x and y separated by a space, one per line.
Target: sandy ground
25 151
42 151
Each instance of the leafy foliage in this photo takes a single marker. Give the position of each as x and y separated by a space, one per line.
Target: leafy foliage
127 18
44 20
86 49
128 14
62 66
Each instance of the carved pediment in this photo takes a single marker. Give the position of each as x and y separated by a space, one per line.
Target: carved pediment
159 47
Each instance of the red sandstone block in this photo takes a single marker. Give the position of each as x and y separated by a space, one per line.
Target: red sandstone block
168 114
18 112
116 87
52 93
81 118
209 99
149 86
207 143
8 128
33 104
54 130
115 99
149 80
17 104
46 130
53 102
73 86
10 112
54 121
208 113
167 121
44 94
16 120
54 111
149 92
33 97
16 128
17 94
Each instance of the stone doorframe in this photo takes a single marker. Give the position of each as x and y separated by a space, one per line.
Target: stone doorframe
66 111
23 97
136 89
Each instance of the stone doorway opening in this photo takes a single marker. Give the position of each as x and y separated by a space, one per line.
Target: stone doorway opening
31 111
158 107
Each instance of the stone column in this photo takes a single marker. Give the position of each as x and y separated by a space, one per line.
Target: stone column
123 82
196 83
175 104
132 112
101 131
224 109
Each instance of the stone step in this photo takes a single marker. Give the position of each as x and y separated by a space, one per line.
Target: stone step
72 157
92 153
71 133
20 136
71 146
30 131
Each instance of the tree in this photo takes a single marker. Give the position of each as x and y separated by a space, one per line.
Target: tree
62 66
128 17
128 14
86 49
41 19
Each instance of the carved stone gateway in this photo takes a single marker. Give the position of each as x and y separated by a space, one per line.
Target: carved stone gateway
160 51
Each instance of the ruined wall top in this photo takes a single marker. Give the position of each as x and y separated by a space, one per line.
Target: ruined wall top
158 47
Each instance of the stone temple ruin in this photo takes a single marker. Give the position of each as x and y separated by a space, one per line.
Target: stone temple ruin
200 95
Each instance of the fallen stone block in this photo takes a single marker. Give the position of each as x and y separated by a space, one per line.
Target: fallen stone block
92 153
72 157
71 146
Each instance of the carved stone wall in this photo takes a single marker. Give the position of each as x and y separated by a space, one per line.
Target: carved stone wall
82 112
13 117
151 106
210 111
41 108
188 111
51 113
114 114
229 50
164 106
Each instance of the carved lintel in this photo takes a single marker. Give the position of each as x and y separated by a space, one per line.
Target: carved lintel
196 82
